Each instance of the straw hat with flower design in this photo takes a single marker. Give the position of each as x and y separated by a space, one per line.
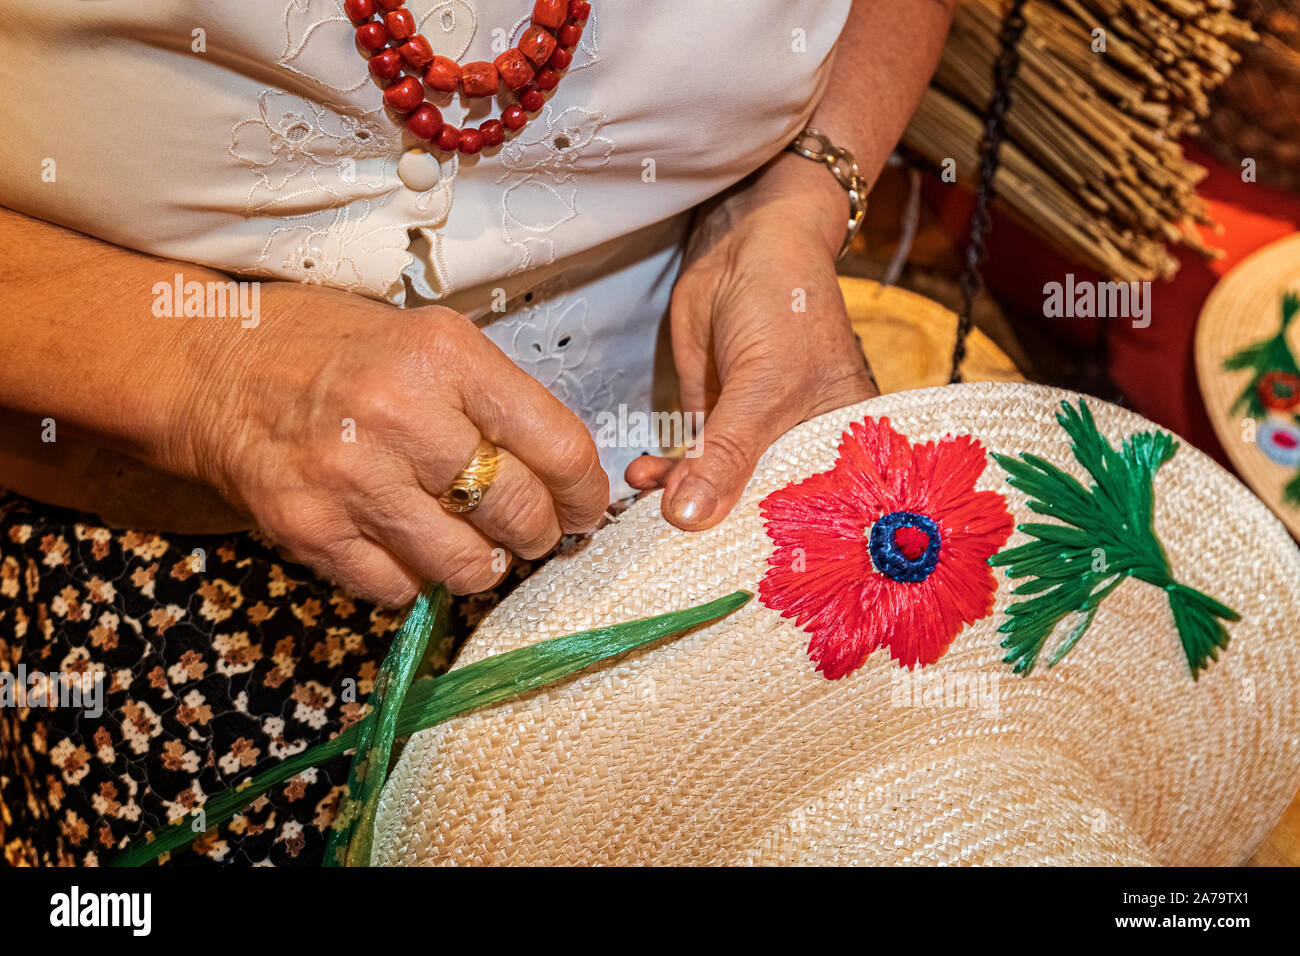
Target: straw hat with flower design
1247 352
994 623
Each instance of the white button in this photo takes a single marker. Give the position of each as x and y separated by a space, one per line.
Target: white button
419 170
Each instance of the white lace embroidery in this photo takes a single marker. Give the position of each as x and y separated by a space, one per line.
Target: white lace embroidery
325 170
550 341
303 154
306 26
540 185
541 164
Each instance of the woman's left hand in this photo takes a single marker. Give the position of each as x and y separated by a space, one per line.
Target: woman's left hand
760 336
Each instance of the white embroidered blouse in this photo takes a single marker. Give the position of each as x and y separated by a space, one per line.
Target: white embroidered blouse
249 136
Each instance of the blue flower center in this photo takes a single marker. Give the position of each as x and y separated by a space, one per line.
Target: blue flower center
905 546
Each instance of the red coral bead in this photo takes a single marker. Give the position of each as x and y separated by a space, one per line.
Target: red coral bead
443 75
532 99
537 43
547 79
494 134
448 138
516 72
425 121
471 141
514 117
386 64
390 4
561 58
480 79
401 24
372 36
417 52
571 33
404 95
579 10
550 13
359 11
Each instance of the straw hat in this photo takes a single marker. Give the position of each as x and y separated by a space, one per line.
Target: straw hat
1253 394
729 746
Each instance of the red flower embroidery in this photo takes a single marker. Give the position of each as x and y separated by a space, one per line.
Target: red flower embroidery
890 547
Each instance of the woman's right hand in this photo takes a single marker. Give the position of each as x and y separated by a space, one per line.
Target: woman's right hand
337 422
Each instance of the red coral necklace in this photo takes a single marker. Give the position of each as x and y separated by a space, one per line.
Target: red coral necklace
530 70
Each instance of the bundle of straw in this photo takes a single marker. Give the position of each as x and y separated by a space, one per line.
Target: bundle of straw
1092 159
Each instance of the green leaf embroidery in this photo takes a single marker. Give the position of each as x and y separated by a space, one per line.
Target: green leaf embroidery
1270 355
1106 534
1291 491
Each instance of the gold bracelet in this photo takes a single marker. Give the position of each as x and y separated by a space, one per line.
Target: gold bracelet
815 145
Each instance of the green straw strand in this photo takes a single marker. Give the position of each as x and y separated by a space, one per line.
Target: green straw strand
350 839
434 701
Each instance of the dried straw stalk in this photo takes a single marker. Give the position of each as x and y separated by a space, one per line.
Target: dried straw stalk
1092 159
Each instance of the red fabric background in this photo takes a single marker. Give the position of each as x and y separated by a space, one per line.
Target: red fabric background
1153 366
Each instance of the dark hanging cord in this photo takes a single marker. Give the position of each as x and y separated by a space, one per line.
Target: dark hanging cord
1004 72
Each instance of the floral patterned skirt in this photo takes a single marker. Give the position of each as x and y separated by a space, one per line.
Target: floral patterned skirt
215 659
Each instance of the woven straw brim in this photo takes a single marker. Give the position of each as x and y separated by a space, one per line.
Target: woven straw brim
1243 309
726 747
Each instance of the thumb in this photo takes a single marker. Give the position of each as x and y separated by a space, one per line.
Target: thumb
703 487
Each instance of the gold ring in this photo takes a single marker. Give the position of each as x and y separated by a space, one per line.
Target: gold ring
467 490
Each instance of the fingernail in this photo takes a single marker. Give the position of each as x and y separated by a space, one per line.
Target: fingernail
693 502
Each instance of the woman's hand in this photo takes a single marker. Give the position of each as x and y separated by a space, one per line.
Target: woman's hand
335 423
760 335
745 355
338 421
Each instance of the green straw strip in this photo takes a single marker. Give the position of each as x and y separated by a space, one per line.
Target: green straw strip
437 700
349 840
